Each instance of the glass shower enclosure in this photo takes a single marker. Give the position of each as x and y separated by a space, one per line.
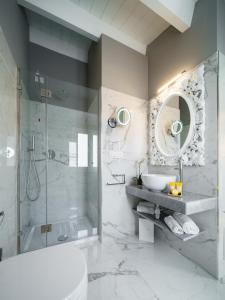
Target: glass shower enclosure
58 169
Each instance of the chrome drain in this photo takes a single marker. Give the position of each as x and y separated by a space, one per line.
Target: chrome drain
63 237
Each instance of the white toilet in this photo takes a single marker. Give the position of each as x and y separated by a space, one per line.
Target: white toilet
53 273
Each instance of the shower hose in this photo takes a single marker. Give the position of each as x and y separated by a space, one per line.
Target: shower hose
32 168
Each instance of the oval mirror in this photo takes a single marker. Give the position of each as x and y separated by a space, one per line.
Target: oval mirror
174 125
123 116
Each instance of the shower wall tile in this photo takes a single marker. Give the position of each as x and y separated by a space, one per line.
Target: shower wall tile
121 148
65 197
8 149
203 180
38 129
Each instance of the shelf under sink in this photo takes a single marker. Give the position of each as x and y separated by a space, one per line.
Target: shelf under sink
160 223
190 203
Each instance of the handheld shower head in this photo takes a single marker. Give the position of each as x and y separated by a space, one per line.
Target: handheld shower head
33 187
32 148
33 142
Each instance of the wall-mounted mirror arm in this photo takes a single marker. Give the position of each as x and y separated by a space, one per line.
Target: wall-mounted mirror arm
112 122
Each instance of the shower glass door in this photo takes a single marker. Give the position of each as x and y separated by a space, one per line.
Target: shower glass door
72 164
32 164
58 162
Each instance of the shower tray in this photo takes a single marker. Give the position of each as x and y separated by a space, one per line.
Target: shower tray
63 231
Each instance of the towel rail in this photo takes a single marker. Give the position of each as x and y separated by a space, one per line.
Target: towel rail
123 176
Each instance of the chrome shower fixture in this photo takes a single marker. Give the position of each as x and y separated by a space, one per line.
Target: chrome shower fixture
51 154
32 170
32 144
38 78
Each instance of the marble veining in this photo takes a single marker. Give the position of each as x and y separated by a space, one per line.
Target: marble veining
144 271
121 148
119 271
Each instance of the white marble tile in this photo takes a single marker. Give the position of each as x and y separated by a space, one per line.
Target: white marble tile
124 268
131 142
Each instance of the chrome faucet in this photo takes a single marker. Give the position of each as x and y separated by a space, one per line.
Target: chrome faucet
180 169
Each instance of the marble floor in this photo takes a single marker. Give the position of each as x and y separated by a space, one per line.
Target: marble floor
125 269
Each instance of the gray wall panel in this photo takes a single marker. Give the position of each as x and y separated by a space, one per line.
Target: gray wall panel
14 24
95 65
124 69
56 65
221 25
172 52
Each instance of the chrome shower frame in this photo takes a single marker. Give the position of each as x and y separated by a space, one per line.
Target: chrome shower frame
18 145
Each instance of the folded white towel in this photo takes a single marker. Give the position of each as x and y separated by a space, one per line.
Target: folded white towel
146 203
146 209
173 225
187 224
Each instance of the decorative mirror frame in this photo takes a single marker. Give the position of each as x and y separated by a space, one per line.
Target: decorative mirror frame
192 124
192 88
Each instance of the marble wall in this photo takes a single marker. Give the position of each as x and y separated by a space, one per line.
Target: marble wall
8 149
121 148
221 140
203 180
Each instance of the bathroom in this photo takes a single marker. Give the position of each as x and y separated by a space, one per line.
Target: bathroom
87 90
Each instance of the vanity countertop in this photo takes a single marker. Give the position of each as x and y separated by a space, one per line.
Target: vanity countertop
190 203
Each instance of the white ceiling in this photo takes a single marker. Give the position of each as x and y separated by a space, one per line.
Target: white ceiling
135 23
128 16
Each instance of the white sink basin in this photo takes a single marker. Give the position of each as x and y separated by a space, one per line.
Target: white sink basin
157 182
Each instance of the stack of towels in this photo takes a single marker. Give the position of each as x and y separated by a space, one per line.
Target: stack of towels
146 207
180 224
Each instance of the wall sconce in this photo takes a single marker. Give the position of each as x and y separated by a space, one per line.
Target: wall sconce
120 118
163 87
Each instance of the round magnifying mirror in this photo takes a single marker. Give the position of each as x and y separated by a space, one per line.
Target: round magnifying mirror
174 125
123 116
176 128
